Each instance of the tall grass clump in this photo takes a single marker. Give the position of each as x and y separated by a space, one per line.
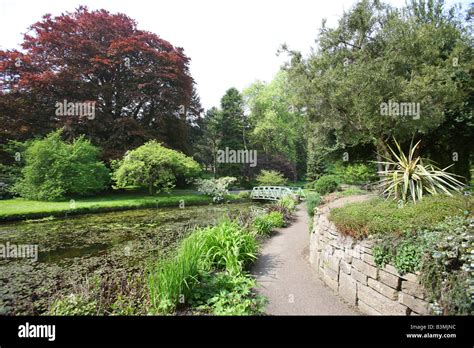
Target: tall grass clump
228 246
287 202
171 281
264 224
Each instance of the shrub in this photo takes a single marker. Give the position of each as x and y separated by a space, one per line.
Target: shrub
264 224
442 254
73 305
327 184
378 216
312 201
411 178
244 195
276 219
352 191
154 167
55 169
215 188
271 178
359 173
287 202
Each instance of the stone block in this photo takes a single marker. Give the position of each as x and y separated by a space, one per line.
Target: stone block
331 274
413 289
415 304
345 267
411 277
389 279
333 262
365 308
348 288
347 257
339 253
359 276
368 259
383 289
365 268
379 302
331 283
391 269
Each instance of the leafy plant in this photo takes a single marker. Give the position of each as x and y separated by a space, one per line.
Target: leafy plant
225 294
287 202
73 305
228 247
243 195
225 247
215 188
407 176
264 224
55 169
442 255
357 173
327 184
312 201
276 219
271 178
154 167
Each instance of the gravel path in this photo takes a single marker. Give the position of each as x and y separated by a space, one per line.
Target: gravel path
286 278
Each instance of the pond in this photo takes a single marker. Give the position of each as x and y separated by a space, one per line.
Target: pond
71 251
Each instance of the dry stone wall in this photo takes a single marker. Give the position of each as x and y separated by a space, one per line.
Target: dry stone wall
347 267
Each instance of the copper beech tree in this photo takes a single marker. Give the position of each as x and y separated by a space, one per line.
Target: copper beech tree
139 83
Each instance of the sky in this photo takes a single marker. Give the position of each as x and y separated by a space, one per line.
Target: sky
231 43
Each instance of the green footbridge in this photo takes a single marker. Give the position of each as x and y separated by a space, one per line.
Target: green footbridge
274 193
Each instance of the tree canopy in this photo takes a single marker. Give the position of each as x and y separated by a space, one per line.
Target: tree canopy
140 83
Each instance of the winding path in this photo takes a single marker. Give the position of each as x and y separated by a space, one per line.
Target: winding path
286 278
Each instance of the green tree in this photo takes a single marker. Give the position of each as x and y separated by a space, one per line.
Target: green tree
207 139
374 55
55 169
271 178
230 122
277 127
155 167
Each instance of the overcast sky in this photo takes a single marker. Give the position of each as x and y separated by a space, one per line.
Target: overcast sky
231 43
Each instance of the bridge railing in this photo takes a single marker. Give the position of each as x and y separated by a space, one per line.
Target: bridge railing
271 192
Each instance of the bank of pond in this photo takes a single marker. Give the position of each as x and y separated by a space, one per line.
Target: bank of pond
190 260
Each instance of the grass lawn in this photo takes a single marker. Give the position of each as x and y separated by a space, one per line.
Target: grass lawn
19 208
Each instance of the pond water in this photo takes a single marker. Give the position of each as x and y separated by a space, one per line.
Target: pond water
72 250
